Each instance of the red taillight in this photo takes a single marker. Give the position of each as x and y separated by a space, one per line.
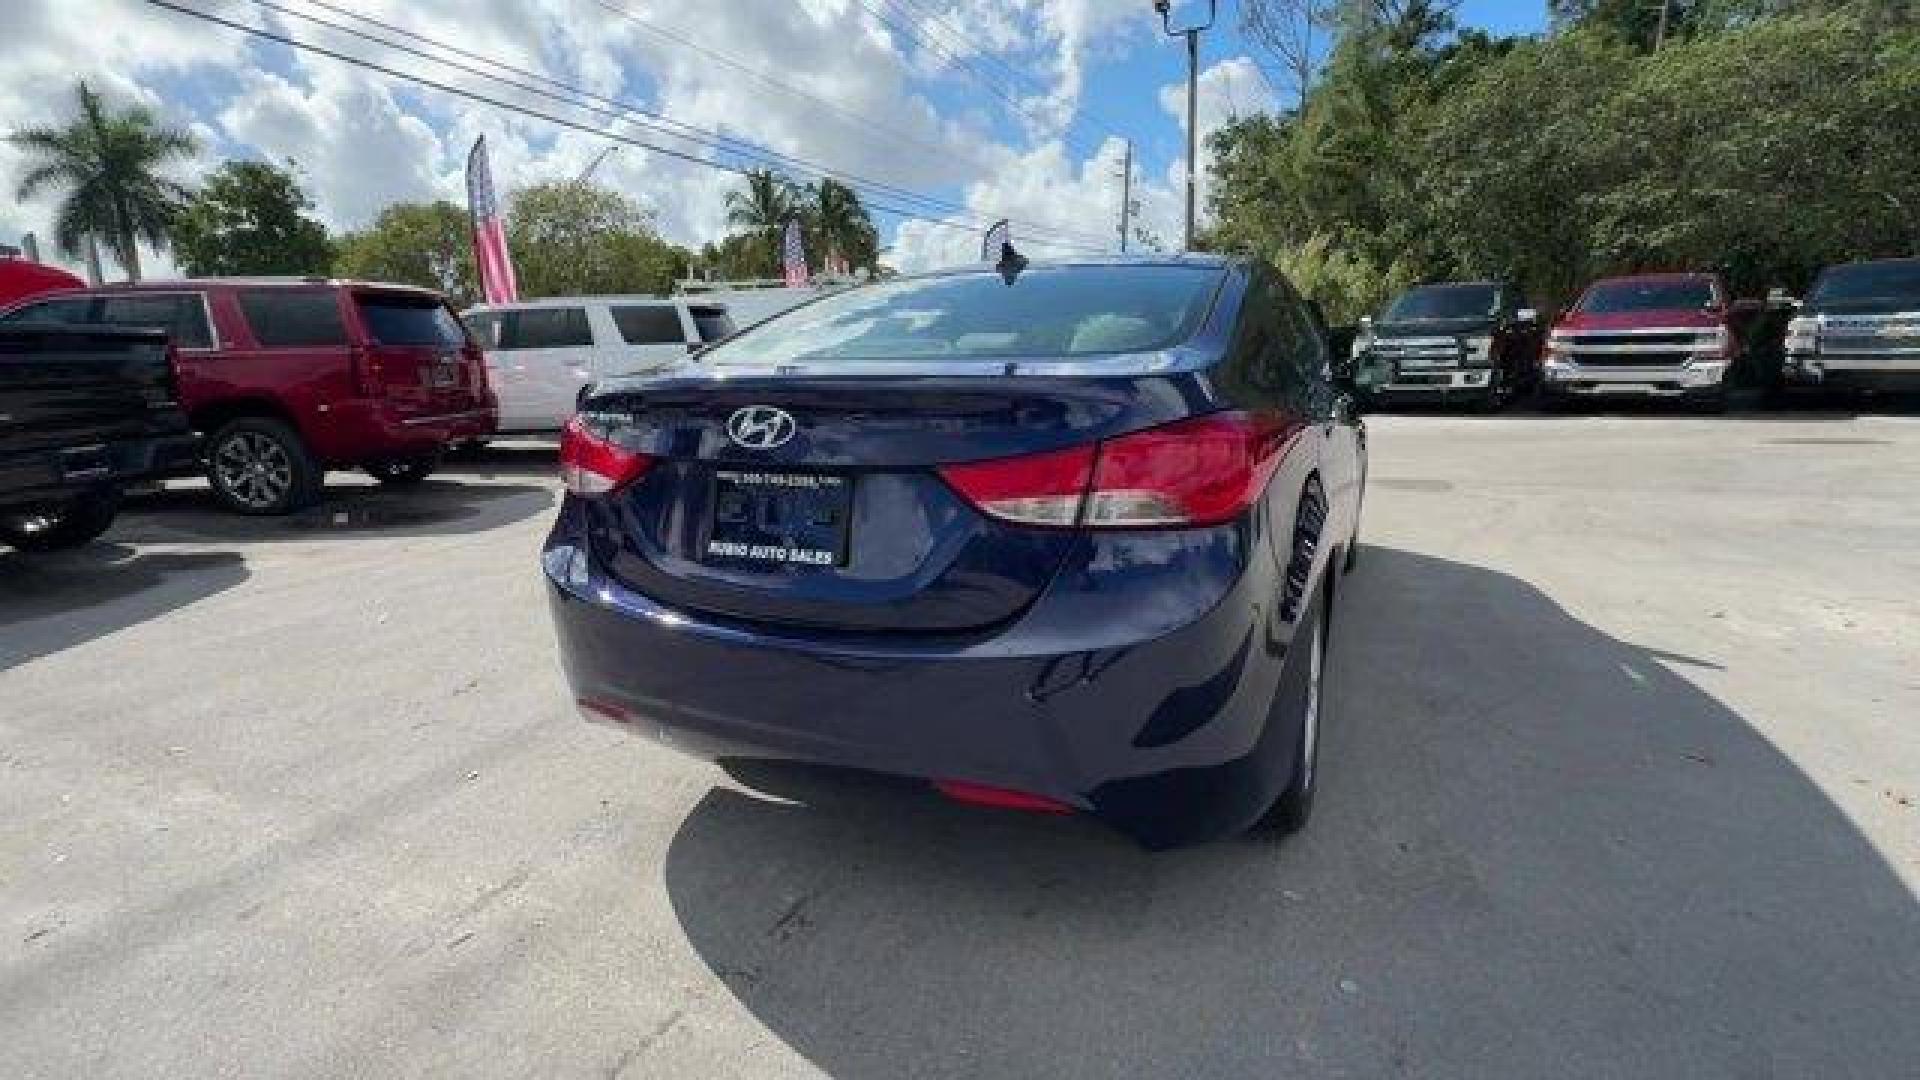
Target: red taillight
1004 798
1198 472
1038 489
591 464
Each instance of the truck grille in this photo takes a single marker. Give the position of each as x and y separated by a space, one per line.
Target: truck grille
1426 352
1894 334
1639 349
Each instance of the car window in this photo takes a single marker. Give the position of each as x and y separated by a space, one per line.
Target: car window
294 318
1895 281
714 323
182 315
485 328
1613 297
1468 301
650 324
1043 312
404 319
68 310
545 328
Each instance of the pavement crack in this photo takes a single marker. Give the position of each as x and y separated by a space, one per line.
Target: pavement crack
627 1057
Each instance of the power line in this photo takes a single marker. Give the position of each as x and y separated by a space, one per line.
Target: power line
575 125
700 136
954 31
1013 102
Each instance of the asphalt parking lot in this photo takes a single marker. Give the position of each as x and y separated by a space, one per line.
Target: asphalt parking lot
1622 780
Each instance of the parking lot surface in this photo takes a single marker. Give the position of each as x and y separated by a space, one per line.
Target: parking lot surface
1621 779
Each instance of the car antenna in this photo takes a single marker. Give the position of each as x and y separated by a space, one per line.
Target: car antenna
1011 262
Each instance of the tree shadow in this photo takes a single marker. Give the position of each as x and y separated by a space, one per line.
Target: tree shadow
1536 851
55 601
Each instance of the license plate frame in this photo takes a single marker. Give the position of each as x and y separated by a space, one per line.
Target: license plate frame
768 518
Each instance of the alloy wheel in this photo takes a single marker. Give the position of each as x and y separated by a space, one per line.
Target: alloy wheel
254 469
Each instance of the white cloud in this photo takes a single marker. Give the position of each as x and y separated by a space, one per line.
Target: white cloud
1229 89
363 139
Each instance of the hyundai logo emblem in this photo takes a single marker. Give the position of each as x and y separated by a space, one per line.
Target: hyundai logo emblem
760 427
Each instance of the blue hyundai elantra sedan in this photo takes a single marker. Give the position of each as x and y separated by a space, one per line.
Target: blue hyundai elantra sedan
1060 537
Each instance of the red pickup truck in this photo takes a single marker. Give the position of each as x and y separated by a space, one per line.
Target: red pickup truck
1645 335
287 378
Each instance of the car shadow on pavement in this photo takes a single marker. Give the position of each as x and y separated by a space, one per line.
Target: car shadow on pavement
522 457
1537 851
190 513
54 601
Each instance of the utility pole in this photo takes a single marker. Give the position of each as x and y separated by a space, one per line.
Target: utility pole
1165 8
1126 195
1660 31
587 173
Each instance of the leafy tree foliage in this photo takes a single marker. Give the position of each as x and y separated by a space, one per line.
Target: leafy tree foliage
571 239
424 244
250 218
111 166
1757 142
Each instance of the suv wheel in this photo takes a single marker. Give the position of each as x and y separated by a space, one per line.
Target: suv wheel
402 472
258 465
67 526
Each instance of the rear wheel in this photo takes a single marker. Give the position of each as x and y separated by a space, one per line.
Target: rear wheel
402 472
69 525
259 465
1295 805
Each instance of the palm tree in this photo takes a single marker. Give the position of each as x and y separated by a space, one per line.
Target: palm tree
763 208
109 165
841 224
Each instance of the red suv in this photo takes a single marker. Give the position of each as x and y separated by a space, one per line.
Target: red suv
289 378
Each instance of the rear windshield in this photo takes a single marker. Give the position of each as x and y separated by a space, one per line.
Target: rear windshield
410 320
1612 297
713 323
1046 311
1869 281
1475 301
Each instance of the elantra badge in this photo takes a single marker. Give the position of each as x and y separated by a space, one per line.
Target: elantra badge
760 427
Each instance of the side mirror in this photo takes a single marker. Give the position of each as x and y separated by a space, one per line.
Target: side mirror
1778 300
1527 316
1366 324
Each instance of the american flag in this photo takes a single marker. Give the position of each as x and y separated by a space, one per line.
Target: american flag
1001 234
489 230
793 255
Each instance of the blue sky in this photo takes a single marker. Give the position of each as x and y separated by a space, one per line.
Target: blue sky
363 140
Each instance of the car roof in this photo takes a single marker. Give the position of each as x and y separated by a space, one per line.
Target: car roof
605 298
1664 275
206 283
1904 260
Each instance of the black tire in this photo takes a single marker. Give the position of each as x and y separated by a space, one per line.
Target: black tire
1712 404
71 525
1291 811
259 466
404 472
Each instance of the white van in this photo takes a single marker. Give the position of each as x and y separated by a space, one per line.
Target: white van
541 352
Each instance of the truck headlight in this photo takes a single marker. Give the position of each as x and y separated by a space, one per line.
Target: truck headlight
1476 351
1803 335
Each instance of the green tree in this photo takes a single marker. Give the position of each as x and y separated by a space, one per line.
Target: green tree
424 244
571 239
250 218
838 225
761 211
110 165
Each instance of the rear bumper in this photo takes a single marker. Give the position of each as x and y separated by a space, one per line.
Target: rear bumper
355 432
49 476
1156 720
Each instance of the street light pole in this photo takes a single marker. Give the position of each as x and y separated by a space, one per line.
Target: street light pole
1192 33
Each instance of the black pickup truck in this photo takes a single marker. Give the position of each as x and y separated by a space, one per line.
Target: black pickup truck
83 412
